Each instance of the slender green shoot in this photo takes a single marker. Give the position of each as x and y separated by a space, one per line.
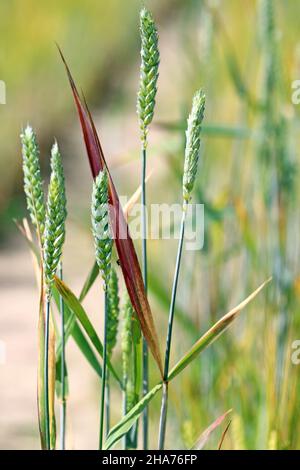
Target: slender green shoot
54 237
103 386
46 375
63 409
145 110
164 405
103 249
189 175
112 330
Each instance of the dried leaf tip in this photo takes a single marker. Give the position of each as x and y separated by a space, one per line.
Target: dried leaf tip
192 147
101 226
148 72
33 185
54 236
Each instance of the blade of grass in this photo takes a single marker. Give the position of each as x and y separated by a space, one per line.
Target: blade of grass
209 130
158 290
41 357
126 423
213 333
52 374
72 328
46 375
126 251
63 369
92 276
83 345
223 435
76 307
202 440
103 382
123 426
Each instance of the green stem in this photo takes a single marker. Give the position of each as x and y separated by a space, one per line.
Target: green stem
46 374
103 371
144 265
164 405
163 417
125 408
107 403
63 369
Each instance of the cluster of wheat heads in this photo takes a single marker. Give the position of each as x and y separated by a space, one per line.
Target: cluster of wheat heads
138 333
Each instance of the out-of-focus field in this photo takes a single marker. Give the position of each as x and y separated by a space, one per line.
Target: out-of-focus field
246 61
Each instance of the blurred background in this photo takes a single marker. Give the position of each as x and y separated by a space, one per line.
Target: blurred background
246 56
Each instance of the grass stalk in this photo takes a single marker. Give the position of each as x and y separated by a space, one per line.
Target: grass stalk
144 267
46 374
124 405
145 110
107 403
63 371
103 387
164 405
103 249
189 175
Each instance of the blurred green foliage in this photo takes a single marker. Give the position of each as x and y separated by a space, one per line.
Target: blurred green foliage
99 38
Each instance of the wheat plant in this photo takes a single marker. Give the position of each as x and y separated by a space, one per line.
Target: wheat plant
145 109
117 262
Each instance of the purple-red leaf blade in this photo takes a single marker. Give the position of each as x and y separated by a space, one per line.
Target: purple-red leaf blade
124 244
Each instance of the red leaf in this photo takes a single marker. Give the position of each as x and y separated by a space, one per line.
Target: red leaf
124 244
201 441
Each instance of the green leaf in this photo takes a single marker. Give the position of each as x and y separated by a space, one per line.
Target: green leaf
208 338
58 381
210 130
75 306
130 418
212 334
92 276
72 328
86 349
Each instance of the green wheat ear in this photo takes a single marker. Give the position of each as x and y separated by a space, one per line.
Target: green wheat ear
148 72
33 185
113 311
54 235
192 147
101 227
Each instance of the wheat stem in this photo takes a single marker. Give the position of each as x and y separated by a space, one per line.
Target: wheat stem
191 159
145 109
54 236
107 403
103 250
46 374
163 416
63 370
144 266
103 372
